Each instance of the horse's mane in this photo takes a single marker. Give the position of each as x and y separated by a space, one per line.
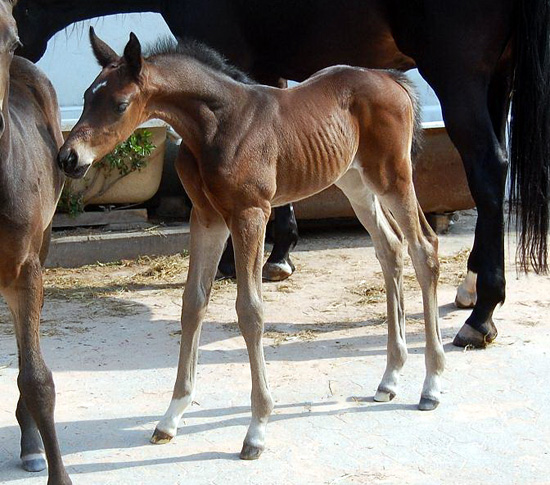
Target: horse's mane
199 51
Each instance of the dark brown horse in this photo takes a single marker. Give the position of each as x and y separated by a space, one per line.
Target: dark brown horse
474 53
248 147
30 184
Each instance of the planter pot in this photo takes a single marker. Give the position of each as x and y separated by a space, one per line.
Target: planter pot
137 186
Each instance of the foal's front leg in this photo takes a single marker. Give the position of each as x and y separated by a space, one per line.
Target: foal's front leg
208 235
248 231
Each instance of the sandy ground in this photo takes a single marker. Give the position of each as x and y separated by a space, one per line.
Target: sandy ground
111 335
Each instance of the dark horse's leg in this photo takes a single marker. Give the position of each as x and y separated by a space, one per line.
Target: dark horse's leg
471 129
285 236
470 123
499 104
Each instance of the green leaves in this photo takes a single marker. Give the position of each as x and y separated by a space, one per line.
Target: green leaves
127 157
70 203
130 155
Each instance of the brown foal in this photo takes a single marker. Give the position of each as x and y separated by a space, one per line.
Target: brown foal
247 148
30 184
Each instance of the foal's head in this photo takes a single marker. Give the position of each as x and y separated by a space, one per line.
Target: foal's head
113 107
9 41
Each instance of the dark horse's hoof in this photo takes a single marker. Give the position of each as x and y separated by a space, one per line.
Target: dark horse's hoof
250 452
470 337
226 272
278 271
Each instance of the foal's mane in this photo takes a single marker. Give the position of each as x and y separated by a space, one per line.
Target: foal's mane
199 51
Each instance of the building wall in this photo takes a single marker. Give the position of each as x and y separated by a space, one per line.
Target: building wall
71 66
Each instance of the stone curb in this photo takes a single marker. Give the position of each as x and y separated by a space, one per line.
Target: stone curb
75 251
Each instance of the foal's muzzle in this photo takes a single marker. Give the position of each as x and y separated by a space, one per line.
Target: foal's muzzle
67 160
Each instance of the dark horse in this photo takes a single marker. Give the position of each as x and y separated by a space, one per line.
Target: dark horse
474 54
30 184
247 147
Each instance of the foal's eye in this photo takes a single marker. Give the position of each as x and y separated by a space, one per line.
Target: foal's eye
121 107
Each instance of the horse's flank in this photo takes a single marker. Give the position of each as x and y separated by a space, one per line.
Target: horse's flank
33 135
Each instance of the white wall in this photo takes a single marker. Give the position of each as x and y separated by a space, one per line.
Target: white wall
71 66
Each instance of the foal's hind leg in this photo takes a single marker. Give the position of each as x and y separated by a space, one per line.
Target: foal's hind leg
422 244
388 244
248 231
208 235
36 406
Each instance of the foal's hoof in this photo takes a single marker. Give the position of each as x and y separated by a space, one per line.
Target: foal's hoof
277 271
160 437
384 395
470 337
34 463
427 404
250 452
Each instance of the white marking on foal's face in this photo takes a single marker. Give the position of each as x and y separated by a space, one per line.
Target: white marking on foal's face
86 155
99 86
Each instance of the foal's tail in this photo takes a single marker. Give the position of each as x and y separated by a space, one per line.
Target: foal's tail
530 133
408 86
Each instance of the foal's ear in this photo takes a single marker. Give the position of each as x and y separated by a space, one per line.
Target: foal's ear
103 53
132 55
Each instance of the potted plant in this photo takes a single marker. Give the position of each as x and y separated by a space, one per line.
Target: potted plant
130 174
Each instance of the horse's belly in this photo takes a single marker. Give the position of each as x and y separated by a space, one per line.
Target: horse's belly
302 179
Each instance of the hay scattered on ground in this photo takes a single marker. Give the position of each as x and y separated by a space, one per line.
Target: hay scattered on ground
452 270
102 280
280 336
369 292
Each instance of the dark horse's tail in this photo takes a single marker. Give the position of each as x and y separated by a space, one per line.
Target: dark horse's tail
530 133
